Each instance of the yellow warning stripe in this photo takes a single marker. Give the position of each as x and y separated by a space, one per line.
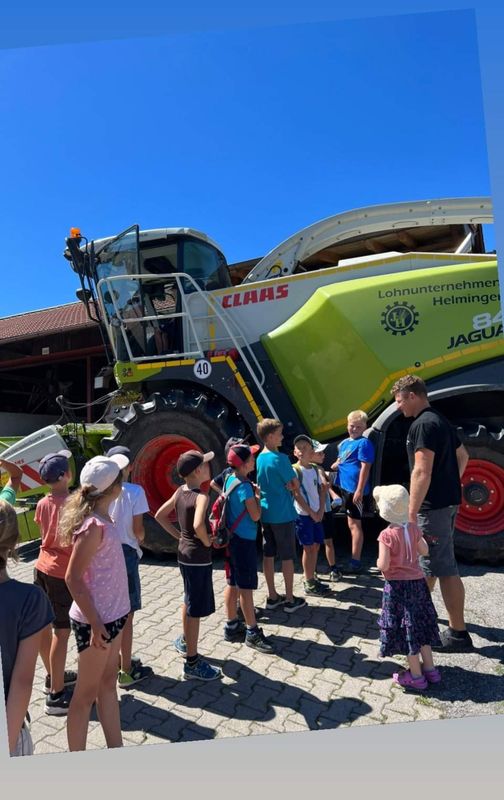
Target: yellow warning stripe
246 391
189 362
391 379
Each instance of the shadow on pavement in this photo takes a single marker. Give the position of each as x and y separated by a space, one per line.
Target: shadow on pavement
252 696
462 684
136 715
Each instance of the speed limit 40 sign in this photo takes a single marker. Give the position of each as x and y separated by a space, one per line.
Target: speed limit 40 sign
202 369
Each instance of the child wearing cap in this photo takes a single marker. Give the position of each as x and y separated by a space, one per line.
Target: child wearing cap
127 514
331 501
244 511
309 502
408 621
353 467
98 583
194 558
49 574
217 482
236 630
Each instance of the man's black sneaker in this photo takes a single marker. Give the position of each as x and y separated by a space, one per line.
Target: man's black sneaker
278 601
235 634
454 642
57 704
70 679
258 641
295 605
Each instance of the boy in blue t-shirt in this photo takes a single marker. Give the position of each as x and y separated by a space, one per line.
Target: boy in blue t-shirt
353 466
277 480
243 509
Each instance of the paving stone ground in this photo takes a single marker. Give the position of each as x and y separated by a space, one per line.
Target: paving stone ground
326 673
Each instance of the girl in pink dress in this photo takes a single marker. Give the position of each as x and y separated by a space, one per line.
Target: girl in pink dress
97 580
408 620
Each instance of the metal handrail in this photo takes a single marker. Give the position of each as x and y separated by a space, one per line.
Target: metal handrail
259 379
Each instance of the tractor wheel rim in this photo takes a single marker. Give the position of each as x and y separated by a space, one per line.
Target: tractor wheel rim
155 467
482 508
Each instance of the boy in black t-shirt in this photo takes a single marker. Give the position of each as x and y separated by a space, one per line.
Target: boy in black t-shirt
437 462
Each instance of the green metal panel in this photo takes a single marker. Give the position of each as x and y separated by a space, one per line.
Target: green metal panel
348 344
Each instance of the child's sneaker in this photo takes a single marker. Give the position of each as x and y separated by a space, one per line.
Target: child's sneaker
202 671
407 681
180 645
315 588
234 633
57 704
70 679
258 641
432 675
135 675
272 604
297 603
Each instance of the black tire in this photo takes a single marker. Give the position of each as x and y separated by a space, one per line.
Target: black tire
486 446
206 421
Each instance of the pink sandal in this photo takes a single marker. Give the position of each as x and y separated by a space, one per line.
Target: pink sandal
432 675
407 681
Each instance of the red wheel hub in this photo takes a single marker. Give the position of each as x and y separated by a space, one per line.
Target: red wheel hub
482 509
155 467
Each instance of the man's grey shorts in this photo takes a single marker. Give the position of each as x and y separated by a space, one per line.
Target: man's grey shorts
437 526
279 540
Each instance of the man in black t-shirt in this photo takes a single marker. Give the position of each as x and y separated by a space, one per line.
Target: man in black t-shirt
437 460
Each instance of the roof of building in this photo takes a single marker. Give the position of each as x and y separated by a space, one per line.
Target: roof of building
71 316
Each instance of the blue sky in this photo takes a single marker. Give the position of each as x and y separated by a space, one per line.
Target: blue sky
246 135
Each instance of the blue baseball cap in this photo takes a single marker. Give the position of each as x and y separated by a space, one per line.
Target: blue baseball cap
54 465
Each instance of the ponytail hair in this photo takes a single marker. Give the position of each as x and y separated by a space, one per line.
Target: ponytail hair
9 533
80 505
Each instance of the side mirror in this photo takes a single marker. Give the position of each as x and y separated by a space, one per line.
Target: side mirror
84 295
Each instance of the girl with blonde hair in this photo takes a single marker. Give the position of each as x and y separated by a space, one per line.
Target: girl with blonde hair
97 580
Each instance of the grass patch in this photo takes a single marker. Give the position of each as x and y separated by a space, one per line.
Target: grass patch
425 701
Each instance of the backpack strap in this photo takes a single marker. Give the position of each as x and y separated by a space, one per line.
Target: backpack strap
233 485
298 470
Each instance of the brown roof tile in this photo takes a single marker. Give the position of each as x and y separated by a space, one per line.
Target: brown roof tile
50 320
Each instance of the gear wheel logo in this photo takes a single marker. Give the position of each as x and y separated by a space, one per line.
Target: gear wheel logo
399 318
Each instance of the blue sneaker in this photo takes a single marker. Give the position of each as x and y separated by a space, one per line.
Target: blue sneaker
202 671
180 645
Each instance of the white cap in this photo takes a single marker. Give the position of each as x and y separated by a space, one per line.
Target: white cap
101 472
318 447
393 503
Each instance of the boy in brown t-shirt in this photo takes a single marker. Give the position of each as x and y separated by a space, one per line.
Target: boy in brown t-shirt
194 558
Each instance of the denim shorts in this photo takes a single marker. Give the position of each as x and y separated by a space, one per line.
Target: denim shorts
131 559
438 526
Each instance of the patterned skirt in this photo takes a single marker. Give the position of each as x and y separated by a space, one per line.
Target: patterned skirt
408 619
